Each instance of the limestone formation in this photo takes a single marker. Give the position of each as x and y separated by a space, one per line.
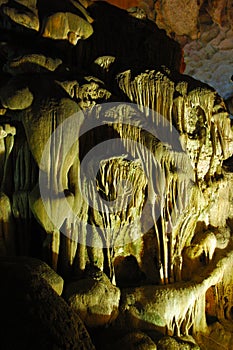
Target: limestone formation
169 343
32 63
170 16
32 313
16 97
135 341
36 268
7 227
66 26
22 12
175 309
116 171
95 299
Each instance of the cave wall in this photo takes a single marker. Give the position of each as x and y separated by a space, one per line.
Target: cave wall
73 81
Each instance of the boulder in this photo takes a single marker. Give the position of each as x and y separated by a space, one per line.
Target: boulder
135 341
15 95
168 343
33 316
187 343
95 299
36 268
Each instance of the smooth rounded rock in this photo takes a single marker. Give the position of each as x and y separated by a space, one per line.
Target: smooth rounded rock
96 300
135 341
33 315
16 97
33 63
66 26
34 267
168 343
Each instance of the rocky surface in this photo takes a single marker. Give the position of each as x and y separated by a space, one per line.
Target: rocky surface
209 59
220 337
170 16
155 143
135 341
22 12
206 35
35 268
95 299
33 316
169 343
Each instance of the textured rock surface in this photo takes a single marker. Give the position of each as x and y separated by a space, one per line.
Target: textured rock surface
209 59
33 316
96 300
135 341
67 26
16 97
168 241
175 307
36 268
171 14
22 12
169 343
219 337
32 63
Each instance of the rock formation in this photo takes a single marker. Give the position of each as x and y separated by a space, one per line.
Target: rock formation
116 171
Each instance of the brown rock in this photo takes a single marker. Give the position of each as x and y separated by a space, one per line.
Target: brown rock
171 15
218 338
216 9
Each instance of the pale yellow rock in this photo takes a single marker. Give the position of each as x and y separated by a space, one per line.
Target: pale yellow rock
96 300
34 63
27 18
66 26
16 98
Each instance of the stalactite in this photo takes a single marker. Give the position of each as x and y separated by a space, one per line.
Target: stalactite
9 142
7 227
165 187
25 178
122 182
143 89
